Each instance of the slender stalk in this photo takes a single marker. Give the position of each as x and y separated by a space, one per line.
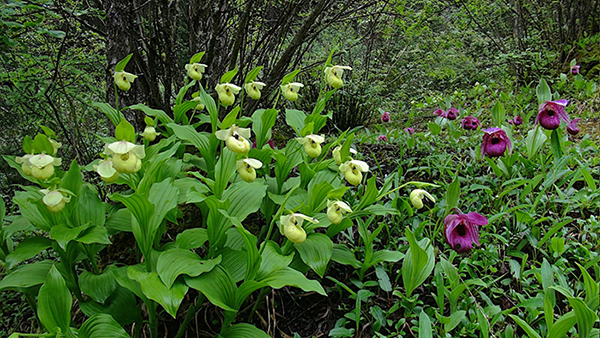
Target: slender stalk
191 313
261 296
152 320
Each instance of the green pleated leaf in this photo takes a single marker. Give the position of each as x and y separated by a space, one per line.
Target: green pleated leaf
26 276
73 179
123 63
63 234
54 303
585 317
295 119
217 286
563 325
113 115
417 264
102 326
191 238
98 287
343 255
89 208
425 330
243 330
543 92
153 288
244 198
454 319
227 77
224 171
96 234
272 260
188 133
125 131
121 305
528 329
28 249
316 252
161 115
175 262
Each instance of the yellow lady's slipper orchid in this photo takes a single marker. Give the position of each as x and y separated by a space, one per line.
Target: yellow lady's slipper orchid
292 227
253 89
290 90
25 164
195 70
333 75
247 169
54 200
123 80
227 92
335 210
416 197
126 156
353 170
200 105
337 156
150 133
235 138
43 165
106 171
312 144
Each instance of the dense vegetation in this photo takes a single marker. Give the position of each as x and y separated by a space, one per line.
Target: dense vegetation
299 168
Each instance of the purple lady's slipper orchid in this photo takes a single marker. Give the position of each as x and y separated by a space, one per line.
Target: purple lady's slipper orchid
462 230
551 113
495 142
385 117
572 128
410 131
382 138
575 69
517 121
470 123
438 112
451 114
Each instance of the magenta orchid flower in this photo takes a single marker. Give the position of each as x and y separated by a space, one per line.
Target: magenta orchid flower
495 142
470 123
382 138
551 113
575 69
462 230
517 121
409 130
385 117
572 128
451 114
439 112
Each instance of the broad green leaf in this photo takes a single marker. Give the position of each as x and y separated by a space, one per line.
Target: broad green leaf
498 114
563 325
417 264
385 256
191 238
175 262
528 329
585 317
253 74
153 288
54 303
272 260
98 287
102 326
28 249
89 208
295 119
290 77
217 286
180 110
535 140
188 133
121 305
121 65
63 234
26 276
242 330
291 277
161 115
119 220
316 252
41 144
543 92
484 325
197 57
113 115
262 122
452 195
383 279
244 198
592 294
125 131
73 179
227 77
229 120
343 255
454 319
425 330
224 171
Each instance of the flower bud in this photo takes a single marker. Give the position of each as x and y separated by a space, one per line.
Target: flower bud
150 133
416 197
